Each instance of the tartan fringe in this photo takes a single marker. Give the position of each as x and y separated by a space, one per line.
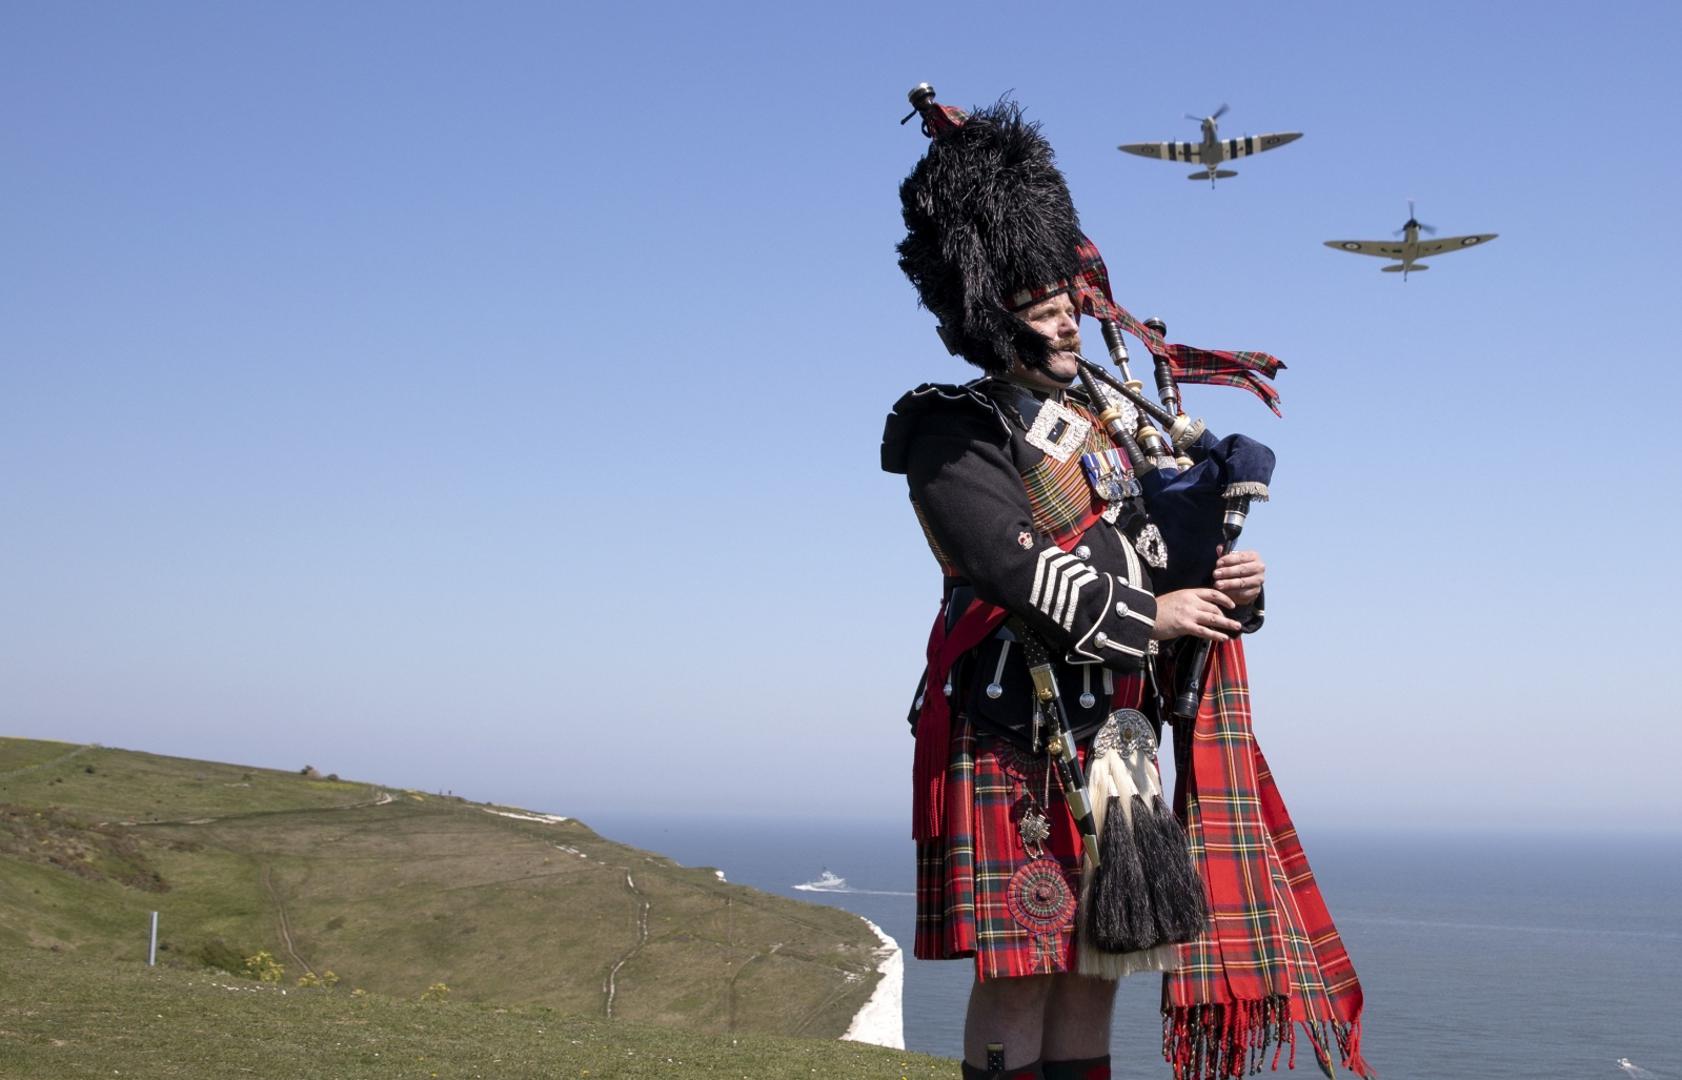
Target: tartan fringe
1212 1042
1216 1042
1349 1045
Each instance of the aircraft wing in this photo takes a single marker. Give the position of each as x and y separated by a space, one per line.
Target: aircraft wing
1453 243
1255 144
1384 249
1165 151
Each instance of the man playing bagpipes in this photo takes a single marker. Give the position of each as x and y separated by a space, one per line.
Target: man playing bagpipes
1045 848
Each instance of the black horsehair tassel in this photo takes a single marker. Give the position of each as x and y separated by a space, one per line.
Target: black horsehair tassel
1119 916
1176 891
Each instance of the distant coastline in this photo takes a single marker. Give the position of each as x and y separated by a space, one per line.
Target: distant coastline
882 1020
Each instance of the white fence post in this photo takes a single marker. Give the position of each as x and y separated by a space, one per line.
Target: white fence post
152 953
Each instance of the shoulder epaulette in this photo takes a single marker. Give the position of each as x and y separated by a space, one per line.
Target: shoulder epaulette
927 400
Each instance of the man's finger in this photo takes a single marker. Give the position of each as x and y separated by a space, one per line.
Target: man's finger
1213 617
1217 597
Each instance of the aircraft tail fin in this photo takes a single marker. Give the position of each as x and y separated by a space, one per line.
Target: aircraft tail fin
1211 174
1399 268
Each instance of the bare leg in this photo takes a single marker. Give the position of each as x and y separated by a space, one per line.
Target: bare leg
1077 1018
1008 1011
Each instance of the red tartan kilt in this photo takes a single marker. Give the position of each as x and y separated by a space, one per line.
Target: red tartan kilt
979 892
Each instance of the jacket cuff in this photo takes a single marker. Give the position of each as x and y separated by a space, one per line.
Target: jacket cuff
1117 631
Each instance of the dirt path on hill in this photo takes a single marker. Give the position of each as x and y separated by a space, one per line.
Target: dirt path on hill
609 985
730 987
280 918
383 799
61 759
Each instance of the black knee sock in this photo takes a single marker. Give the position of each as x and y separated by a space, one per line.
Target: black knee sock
1030 1071
1097 1068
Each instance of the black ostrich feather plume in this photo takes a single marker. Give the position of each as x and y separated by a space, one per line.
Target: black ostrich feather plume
987 213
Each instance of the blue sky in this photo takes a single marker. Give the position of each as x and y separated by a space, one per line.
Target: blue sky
487 398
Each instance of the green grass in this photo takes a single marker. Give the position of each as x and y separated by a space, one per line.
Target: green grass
67 1017
96 783
394 891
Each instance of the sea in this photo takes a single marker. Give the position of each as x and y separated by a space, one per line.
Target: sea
1481 955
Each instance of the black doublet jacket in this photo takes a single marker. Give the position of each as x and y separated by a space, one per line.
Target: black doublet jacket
1004 518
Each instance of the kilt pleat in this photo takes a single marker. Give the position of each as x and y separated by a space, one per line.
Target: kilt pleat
980 892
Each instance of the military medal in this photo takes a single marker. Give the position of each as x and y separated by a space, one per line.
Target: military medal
1108 473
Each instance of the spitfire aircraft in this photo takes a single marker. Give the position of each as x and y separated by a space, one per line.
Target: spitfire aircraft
1410 249
1213 150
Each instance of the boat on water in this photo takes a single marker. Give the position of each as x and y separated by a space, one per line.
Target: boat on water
827 881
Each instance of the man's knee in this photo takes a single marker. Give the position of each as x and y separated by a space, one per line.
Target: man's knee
1081 994
1077 1018
1028 992
1003 1028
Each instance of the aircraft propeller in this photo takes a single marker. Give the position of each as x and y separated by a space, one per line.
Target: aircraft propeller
1428 230
1218 113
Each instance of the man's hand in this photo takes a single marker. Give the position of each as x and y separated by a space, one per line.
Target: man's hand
1197 612
1239 575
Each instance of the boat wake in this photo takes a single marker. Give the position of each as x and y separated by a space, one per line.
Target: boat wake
1632 1069
830 882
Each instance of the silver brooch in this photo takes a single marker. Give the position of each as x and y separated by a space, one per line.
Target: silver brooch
1058 431
1151 547
1034 829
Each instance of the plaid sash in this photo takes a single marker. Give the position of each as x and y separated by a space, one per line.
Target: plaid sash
1271 959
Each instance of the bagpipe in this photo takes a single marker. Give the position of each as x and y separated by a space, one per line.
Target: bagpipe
1197 488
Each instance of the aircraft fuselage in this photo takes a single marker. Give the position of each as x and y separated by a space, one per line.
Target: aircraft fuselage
1211 145
1410 248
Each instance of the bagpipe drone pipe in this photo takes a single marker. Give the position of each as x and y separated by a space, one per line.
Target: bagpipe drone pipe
1198 497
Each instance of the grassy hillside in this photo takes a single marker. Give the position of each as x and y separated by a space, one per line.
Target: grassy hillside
66 1017
394 891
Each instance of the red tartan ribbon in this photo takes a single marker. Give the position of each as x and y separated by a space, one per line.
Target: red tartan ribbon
1245 369
1271 960
934 715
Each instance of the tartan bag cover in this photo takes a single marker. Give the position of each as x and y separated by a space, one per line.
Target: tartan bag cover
1271 959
